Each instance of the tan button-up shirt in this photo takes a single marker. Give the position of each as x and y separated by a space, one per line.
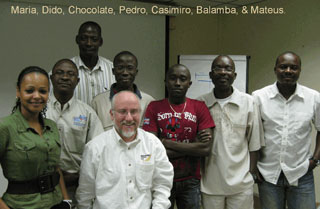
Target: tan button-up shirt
238 131
77 123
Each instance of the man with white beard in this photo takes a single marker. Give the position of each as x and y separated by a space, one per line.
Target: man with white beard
125 167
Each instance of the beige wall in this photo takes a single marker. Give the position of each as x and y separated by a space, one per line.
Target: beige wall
262 37
42 40
195 34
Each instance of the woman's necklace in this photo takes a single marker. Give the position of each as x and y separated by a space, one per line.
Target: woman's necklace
178 114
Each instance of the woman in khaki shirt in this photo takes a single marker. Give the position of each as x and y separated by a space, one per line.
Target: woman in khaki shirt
30 148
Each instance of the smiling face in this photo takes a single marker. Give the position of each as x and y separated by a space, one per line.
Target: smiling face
125 114
64 77
287 69
33 93
223 72
89 40
125 70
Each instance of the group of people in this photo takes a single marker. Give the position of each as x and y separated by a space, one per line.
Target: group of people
86 136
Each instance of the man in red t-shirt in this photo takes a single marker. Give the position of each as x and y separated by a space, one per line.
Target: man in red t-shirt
184 126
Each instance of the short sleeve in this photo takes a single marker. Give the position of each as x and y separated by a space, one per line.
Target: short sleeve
317 112
256 135
150 122
95 126
204 117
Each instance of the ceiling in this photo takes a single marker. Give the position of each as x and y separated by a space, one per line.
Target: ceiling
194 3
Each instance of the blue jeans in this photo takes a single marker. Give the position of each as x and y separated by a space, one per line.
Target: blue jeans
296 197
186 194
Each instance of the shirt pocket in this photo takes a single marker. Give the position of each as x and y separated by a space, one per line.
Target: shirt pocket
25 150
144 175
302 124
77 142
237 135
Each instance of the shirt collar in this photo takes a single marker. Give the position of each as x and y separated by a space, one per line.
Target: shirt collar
118 138
113 90
84 67
211 100
56 103
275 91
22 124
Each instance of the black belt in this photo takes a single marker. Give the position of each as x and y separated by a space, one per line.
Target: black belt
43 184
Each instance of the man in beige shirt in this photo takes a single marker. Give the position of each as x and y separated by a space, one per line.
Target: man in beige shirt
231 168
77 122
125 70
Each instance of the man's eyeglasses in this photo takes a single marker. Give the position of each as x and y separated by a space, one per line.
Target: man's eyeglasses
124 112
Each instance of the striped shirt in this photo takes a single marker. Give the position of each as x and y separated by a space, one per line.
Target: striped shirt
93 82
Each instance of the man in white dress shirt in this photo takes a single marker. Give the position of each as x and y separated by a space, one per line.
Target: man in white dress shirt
287 110
95 72
125 167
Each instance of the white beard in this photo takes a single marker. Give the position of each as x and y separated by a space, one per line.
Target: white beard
126 134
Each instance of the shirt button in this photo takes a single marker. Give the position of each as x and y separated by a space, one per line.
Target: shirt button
130 181
129 164
128 148
131 198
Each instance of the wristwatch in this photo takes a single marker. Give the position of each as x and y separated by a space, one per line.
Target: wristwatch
69 202
316 161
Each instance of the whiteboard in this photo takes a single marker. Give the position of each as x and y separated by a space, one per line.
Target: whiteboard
200 66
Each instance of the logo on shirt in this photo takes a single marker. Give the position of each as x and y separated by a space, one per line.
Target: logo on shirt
80 121
173 128
146 157
187 116
146 121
